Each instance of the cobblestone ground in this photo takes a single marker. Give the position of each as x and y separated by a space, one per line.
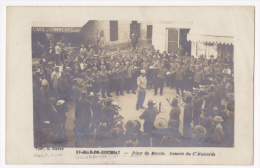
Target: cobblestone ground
129 112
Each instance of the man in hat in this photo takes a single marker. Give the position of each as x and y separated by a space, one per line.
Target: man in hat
118 78
188 117
57 53
179 75
160 79
83 51
141 83
96 107
108 111
85 111
128 78
76 95
104 81
63 86
54 80
198 77
212 60
149 116
174 120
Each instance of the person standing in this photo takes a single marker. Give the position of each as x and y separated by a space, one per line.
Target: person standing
174 121
57 53
54 80
179 75
104 81
76 94
63 86
149 116
141 83
160 79
188 116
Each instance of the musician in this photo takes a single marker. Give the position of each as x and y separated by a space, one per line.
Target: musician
118 79
141 83
179 75
57 53
96 107
96 80
212 60
149 116
174 120
104 80
160 79
128 78
83 51
108 111
187 119
198 77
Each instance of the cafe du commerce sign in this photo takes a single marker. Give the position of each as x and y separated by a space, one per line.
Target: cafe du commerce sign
56 29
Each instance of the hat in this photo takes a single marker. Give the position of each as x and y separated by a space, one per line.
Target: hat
174 102
160 123
218 119
188 98
142 71
200 130
168 73
118 118
131 124
60 102
91 94
116 132
150 103
44 82
109 99
151 67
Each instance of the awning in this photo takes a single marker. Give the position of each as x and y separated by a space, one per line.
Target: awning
212 31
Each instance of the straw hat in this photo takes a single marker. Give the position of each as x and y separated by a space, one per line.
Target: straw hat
218 119
160 123
200 130
60 102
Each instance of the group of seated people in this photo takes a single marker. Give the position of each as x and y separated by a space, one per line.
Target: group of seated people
85 77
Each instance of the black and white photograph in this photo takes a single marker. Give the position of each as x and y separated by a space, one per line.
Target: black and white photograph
123 85
111 83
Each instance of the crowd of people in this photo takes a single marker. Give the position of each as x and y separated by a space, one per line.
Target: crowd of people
204 88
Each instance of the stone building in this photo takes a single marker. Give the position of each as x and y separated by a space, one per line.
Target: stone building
116 33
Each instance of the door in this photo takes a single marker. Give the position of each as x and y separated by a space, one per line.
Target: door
172 41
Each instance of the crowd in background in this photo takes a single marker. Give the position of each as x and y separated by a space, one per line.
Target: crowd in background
88 77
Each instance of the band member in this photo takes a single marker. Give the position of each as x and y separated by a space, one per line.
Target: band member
118 79
160 79
141 83
212 60
149 116
104 80
187 119
96 80
57 53
174 121
179 75
129 78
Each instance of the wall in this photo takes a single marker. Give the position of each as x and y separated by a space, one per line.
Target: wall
91 32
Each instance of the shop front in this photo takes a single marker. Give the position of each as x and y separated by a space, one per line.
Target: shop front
44 37
211 39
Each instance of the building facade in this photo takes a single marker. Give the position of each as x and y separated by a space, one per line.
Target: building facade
116 34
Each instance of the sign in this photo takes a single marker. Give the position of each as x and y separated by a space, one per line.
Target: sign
56 29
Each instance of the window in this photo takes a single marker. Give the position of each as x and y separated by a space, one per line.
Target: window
113 30
135 29
149 31
173 40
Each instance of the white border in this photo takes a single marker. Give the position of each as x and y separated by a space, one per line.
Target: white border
5 3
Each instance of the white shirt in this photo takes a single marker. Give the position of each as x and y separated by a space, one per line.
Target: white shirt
141 83
57 49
